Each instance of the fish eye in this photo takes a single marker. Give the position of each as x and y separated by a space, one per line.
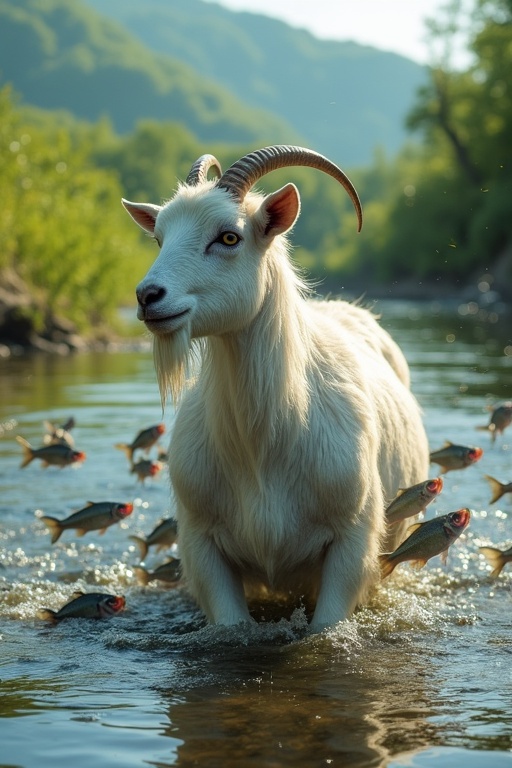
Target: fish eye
458 518
228 238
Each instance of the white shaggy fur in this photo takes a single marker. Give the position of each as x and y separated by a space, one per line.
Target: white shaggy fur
299 427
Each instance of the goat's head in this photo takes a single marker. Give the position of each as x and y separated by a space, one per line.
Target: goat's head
212 274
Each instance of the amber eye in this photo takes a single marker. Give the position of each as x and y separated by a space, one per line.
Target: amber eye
228 238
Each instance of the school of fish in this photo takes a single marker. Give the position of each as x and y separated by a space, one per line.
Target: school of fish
424 539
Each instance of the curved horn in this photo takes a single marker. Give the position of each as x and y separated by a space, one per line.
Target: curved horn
242 175
199 171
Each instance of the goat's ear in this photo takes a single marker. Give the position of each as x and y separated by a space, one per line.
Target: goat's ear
279 211
143 214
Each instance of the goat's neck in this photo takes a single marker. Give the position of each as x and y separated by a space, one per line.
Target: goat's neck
257 379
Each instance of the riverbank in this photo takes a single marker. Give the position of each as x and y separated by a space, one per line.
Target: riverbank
26 326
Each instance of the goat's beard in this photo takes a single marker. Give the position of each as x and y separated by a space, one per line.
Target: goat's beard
172 358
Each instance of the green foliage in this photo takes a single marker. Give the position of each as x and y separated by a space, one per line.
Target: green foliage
439 211
454 221
62 228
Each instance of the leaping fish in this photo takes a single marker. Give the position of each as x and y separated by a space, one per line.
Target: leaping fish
95 516
143 441
427 540
161 537
57 454
501 418
169 572
411 501
452 456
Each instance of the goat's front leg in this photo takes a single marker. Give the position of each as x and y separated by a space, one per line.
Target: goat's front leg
216 587
348 570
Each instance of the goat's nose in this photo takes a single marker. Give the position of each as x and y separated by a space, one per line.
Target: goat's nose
149 294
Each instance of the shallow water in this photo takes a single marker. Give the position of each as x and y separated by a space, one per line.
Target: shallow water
420 677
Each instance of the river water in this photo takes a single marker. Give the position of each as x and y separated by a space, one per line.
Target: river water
422 676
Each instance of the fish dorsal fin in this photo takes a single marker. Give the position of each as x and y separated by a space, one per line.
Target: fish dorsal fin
400 492
414 527
90 504
447 443
77 593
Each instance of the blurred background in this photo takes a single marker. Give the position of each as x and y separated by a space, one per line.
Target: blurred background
100 101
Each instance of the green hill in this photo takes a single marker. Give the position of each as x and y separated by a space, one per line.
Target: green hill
61 54
343 98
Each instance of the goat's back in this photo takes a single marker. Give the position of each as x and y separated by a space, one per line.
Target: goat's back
364 325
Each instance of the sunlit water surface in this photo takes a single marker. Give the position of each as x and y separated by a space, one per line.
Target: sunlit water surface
420 677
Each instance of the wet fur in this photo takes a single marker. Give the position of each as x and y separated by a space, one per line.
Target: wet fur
295 434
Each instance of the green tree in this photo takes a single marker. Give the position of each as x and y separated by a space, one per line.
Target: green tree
62 227
445 214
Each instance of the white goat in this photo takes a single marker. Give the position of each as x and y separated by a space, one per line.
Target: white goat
299 427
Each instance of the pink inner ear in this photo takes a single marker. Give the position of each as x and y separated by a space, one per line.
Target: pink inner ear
282 208
143 214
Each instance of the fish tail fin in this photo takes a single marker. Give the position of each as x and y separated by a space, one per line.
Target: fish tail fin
387 566
28 453
126 449
495 558
54 526
142 575
497 488
47 614
142 545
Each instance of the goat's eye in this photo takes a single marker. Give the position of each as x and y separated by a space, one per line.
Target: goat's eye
228 238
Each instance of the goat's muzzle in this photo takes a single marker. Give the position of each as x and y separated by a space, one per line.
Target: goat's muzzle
147 296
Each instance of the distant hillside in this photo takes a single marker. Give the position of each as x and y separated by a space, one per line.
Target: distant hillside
343 98
62 54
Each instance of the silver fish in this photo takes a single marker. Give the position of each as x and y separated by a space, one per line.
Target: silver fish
57 454
426 540
93 517
146 468
143 441
90 605
411 501
501 418
169 572
161 537
452 456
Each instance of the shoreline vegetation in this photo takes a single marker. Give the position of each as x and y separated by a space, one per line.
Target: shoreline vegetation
25 326
437 213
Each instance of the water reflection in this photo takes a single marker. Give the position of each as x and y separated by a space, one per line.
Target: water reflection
314 702
420 677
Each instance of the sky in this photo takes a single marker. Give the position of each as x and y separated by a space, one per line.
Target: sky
391 25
